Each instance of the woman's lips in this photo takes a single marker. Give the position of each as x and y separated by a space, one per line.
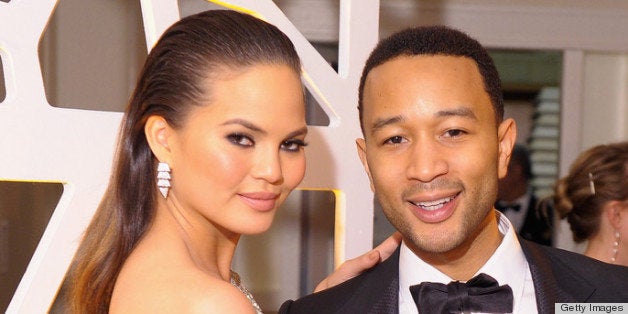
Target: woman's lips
260 201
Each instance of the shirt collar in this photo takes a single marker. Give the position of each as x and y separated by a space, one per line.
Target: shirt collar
508 257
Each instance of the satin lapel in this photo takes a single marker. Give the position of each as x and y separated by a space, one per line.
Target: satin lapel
545 286
554 282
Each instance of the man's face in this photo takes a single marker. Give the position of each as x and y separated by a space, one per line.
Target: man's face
432 149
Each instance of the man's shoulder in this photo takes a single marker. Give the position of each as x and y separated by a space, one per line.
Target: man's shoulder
577 262
372 291
574 272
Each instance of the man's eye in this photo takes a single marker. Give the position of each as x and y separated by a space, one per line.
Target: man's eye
395 140
454 133
240 139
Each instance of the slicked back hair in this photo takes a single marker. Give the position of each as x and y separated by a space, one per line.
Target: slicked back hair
177 76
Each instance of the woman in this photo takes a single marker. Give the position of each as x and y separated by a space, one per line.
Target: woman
594 199
210 146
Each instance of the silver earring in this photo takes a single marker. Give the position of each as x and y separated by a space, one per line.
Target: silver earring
615 247
163 178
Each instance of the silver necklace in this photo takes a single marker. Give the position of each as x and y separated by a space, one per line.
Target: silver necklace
235 280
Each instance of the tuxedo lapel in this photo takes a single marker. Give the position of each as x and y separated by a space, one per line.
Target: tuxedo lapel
553 281
558 276
545 286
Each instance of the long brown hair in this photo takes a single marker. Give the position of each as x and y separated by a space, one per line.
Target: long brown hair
191 52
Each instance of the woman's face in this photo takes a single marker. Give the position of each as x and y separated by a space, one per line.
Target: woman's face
236 159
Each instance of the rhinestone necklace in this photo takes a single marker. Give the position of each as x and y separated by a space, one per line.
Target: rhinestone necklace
235 280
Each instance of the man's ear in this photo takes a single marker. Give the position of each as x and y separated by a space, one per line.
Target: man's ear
361 146
157 132
507 136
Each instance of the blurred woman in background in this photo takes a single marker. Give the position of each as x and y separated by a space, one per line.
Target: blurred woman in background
593 198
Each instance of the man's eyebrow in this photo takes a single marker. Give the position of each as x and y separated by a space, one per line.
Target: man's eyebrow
383 122
463 112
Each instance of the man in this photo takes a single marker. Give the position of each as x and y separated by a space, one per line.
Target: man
517 201
434 146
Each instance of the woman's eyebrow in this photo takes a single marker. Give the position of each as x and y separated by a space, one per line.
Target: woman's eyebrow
247 124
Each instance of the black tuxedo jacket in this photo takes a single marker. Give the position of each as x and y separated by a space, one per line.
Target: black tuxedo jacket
559 277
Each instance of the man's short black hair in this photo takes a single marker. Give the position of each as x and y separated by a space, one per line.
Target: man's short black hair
436 40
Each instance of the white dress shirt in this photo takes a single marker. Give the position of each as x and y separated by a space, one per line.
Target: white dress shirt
507 265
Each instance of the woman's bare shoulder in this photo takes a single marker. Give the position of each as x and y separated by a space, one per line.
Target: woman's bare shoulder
184 290
221 297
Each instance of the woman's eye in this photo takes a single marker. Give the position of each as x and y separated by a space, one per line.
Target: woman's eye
394 140
240 139
293 145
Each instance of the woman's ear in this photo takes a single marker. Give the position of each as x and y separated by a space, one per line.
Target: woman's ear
157 132
615 213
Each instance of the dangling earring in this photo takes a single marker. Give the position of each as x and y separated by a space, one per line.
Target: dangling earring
163 178
615 247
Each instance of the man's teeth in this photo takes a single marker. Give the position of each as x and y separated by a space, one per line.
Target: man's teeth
433 205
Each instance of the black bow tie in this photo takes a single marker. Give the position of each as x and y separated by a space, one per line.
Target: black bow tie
504 207
480 294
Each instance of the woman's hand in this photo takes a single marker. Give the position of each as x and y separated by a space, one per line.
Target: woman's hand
353 267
